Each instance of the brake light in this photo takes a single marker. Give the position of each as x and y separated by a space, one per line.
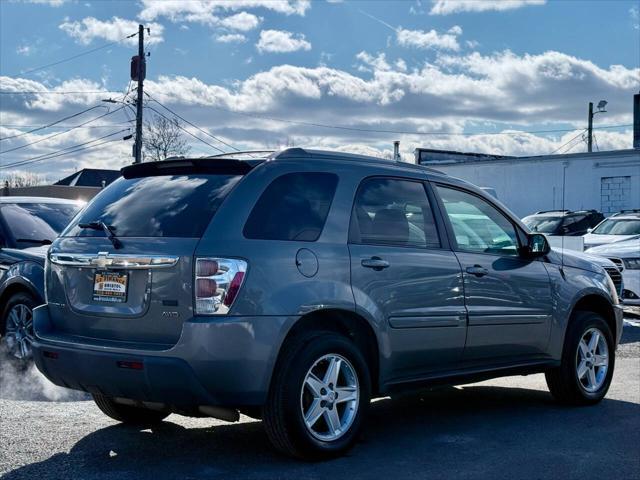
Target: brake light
217 283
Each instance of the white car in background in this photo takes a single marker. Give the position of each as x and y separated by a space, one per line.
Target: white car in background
626 255
617 227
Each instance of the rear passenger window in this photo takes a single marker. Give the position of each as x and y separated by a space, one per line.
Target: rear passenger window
293 207
390 211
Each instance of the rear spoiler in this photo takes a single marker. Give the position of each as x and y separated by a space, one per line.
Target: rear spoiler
190 165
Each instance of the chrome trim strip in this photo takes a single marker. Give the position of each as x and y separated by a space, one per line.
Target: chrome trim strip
107 260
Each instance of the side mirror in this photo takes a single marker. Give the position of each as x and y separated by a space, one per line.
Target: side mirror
538 245
589 230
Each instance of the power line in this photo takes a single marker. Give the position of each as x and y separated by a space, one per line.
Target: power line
61 133
73 57
400 132
53 123
6 167
194 126
185 130
50 92
63 151
567 143
13 125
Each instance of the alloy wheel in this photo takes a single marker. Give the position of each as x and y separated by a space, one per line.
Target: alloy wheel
329 398
592 360
19 332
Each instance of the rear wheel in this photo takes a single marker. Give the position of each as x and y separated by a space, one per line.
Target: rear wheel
588 360
319 396
128 413
16 329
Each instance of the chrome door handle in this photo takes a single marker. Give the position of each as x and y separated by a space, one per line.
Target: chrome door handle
477 270
375 262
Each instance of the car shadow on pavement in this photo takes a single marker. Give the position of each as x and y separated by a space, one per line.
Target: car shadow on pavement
462 432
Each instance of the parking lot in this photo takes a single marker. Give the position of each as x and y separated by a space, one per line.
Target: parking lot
504 428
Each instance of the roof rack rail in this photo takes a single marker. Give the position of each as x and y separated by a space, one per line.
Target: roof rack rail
552 211
250 153
627 211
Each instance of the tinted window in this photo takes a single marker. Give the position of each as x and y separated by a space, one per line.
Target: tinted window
575 223
156 206
477 225
613 226
293 207
31 223
542 223
390 211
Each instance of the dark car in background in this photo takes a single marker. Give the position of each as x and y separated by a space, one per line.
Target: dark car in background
28 225
563 222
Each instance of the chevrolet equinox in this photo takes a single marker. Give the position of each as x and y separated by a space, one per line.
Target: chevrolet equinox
297 286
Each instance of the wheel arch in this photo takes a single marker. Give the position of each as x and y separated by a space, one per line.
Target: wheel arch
344 322
599 304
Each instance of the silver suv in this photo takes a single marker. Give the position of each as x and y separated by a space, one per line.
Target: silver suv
295 288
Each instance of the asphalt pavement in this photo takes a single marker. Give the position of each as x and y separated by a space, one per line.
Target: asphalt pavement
507 428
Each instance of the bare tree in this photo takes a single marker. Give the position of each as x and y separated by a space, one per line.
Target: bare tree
163 139
23 179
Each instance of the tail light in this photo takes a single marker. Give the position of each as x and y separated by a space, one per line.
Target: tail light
217 283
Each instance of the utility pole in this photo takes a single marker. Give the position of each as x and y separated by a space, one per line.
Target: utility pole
590 129
601 109
140 74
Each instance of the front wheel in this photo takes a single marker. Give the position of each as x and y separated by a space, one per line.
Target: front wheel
588 360
318 398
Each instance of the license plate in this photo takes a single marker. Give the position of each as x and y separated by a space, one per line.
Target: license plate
110 287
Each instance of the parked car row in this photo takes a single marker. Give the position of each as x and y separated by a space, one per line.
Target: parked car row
295 288
616 238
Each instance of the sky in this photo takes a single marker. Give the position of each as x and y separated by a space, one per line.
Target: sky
509 77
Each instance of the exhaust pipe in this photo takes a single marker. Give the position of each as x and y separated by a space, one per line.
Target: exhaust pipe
227 414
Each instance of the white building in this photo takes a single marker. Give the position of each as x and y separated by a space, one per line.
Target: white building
605 181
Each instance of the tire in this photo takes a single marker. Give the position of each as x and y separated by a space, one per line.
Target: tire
127 413
16 328
568 383
290 395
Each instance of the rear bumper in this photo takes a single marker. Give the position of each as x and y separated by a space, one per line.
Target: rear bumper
217 361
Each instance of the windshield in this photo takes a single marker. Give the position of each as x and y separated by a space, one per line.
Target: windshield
155 206
618 226
542 223
32 223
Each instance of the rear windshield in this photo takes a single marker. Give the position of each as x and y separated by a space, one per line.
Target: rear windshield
37 222
542 223
156 206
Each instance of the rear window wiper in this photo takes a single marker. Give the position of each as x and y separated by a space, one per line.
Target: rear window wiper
44 241
107 229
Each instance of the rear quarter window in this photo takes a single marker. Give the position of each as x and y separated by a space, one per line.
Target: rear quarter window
293 207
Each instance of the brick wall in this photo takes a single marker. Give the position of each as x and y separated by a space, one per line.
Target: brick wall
615 194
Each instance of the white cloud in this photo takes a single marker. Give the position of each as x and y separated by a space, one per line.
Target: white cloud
446 7
242 21
52 3
458 93
25 50
207 11
429 40
634 13
114 30
231 38
280 41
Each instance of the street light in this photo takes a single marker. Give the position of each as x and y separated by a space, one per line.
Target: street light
601 105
